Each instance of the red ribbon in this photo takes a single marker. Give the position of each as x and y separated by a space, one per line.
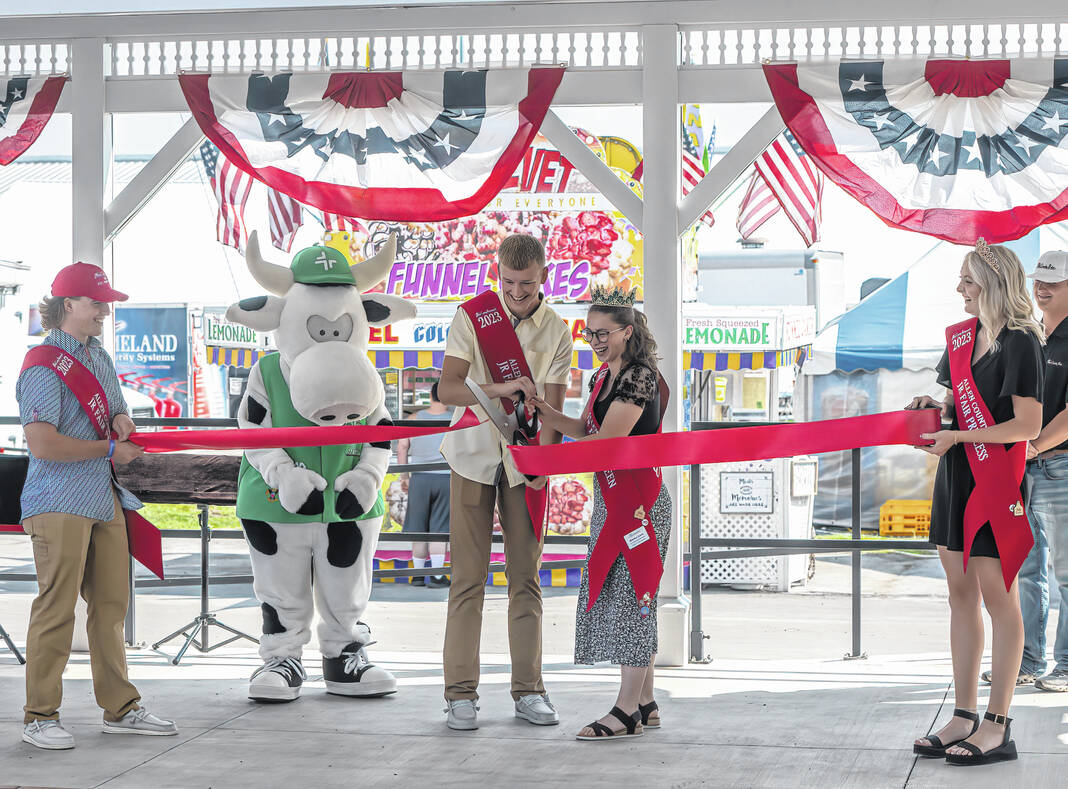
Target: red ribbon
730 444
997 471
274 437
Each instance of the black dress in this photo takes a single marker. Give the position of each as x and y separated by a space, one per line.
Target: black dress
1015 368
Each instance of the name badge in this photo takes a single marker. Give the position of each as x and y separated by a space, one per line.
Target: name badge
636 537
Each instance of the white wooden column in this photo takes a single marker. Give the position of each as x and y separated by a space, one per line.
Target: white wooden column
90 150
663 295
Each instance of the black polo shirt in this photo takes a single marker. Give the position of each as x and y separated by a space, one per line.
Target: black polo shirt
1055 390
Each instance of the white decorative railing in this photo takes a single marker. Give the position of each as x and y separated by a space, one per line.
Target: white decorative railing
605 48
749 46
39 59
602 48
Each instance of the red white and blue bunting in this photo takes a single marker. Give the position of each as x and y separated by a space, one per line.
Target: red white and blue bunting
952 149
26 106
400 146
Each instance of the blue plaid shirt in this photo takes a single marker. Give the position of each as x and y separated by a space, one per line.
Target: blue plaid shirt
81 487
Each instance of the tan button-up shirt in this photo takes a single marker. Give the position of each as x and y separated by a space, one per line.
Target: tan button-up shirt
477 452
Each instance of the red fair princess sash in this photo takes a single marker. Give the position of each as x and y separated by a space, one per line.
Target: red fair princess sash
998 471
628 496
504 357
143 537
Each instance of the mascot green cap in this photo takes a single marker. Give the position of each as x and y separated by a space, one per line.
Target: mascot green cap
321 266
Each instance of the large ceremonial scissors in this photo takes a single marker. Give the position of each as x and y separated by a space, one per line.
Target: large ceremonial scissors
515 427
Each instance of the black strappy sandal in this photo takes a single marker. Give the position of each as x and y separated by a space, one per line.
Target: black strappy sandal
936 748
1006 752
646 710
602 732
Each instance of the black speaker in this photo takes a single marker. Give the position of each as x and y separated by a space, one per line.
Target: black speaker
12 478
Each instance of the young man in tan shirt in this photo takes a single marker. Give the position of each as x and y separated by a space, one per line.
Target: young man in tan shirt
483 475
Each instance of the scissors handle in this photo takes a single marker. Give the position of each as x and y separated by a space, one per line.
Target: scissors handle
529 427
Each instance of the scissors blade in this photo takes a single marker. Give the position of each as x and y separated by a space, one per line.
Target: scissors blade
506 425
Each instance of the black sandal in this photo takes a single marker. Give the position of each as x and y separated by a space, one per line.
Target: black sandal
1005 752
602 732
646 710
936 748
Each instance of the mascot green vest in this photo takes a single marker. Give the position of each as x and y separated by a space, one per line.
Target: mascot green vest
256 501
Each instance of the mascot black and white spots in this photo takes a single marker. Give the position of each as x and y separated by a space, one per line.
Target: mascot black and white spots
312 515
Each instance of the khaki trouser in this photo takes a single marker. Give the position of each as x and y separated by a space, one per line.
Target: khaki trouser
470 532
71 554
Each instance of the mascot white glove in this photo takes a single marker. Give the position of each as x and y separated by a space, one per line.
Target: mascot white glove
300 490
361 485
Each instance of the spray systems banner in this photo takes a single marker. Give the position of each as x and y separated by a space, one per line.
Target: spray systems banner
152 355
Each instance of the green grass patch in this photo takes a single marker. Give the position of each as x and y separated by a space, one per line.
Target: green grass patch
184 516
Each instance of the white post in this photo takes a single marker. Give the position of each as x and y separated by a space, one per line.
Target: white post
90 150
663 295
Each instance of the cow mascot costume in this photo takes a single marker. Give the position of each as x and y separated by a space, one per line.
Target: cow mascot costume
312 515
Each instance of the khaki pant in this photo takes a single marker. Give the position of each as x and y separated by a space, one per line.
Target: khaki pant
71 554
470 532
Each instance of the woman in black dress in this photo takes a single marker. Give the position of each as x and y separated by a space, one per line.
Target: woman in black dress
1007 369
619 628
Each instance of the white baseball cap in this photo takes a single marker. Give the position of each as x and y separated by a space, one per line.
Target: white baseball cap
1051 267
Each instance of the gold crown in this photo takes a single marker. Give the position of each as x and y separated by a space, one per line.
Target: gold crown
613 297
986 254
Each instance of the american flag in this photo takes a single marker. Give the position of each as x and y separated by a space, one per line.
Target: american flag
285 216
791 177
758 206
692 170
338 222
231 186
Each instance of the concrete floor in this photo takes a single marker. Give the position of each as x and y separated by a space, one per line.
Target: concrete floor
777 707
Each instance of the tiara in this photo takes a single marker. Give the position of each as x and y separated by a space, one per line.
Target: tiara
986 254
613 297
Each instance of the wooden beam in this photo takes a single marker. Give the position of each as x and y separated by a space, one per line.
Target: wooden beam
151 179
598 173
732 165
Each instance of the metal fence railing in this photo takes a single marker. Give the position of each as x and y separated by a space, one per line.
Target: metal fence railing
702 548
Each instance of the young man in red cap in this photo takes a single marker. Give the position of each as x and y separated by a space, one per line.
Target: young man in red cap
76 423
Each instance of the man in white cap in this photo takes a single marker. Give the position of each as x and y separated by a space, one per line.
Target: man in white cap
1047 471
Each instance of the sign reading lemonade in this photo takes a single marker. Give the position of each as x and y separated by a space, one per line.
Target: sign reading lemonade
747 328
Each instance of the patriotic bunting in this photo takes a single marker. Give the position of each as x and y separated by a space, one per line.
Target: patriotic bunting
402 146
952 149
26 106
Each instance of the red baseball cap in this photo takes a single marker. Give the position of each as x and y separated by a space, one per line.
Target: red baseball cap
83 279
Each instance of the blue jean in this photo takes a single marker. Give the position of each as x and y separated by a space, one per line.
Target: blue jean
1048 512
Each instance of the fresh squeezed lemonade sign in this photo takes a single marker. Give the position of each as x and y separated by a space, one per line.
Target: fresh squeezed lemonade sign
587 242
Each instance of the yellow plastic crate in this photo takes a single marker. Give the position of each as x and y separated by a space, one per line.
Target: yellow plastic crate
905 518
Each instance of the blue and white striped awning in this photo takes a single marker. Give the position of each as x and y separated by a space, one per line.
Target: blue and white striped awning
901 325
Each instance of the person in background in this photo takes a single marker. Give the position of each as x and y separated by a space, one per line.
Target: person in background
72 508
1047 471
1005 373
428 494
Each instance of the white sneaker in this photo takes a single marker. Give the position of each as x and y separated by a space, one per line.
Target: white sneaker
536 708
278 679
48 735
141 722
463 715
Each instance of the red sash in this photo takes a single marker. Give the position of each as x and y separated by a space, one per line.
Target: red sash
504 357
143 538
998 471
628 496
